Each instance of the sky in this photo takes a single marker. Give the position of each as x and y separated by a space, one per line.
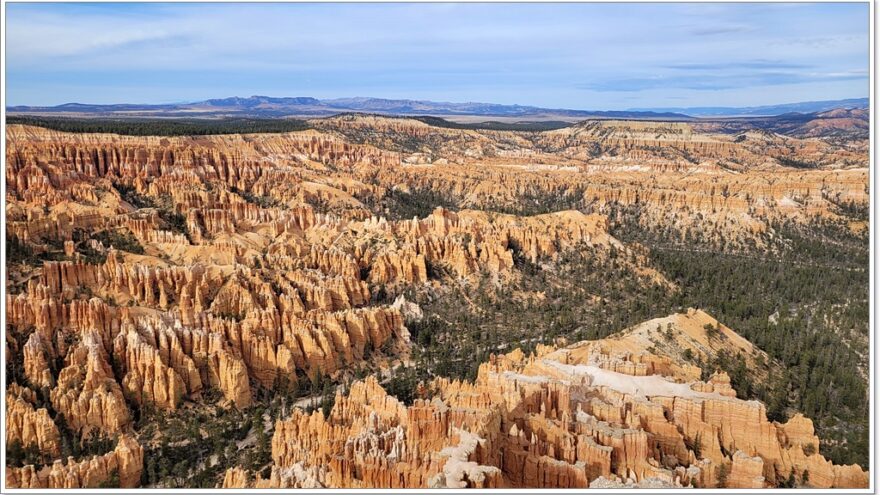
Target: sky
578 56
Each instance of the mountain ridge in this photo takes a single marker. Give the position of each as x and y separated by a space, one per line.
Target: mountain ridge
763 110
269 106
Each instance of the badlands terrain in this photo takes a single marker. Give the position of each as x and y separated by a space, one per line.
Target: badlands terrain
375 301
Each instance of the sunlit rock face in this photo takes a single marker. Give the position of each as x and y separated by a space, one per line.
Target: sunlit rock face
125 462
597 413
170 269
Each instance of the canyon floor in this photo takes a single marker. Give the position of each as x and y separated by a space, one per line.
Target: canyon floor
381 302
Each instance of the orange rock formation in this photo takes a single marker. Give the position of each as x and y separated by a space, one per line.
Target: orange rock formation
235 263
126 461
591 413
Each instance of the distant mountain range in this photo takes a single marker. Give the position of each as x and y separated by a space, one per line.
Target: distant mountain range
763 111
272 107
266 106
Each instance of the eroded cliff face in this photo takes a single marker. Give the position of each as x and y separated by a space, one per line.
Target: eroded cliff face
683 177
182 273
124 463
156 272
29 426
598 144
589 414
244 290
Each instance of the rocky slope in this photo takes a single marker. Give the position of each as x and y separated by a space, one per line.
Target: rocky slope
591 414
838 122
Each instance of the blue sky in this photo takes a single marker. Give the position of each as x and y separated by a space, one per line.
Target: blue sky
584 56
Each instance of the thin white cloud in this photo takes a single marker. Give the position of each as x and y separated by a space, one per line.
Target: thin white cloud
48 35
550 54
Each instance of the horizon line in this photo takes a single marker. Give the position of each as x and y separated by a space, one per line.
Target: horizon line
422 100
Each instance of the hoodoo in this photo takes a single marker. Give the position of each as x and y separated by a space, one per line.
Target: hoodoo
380 302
